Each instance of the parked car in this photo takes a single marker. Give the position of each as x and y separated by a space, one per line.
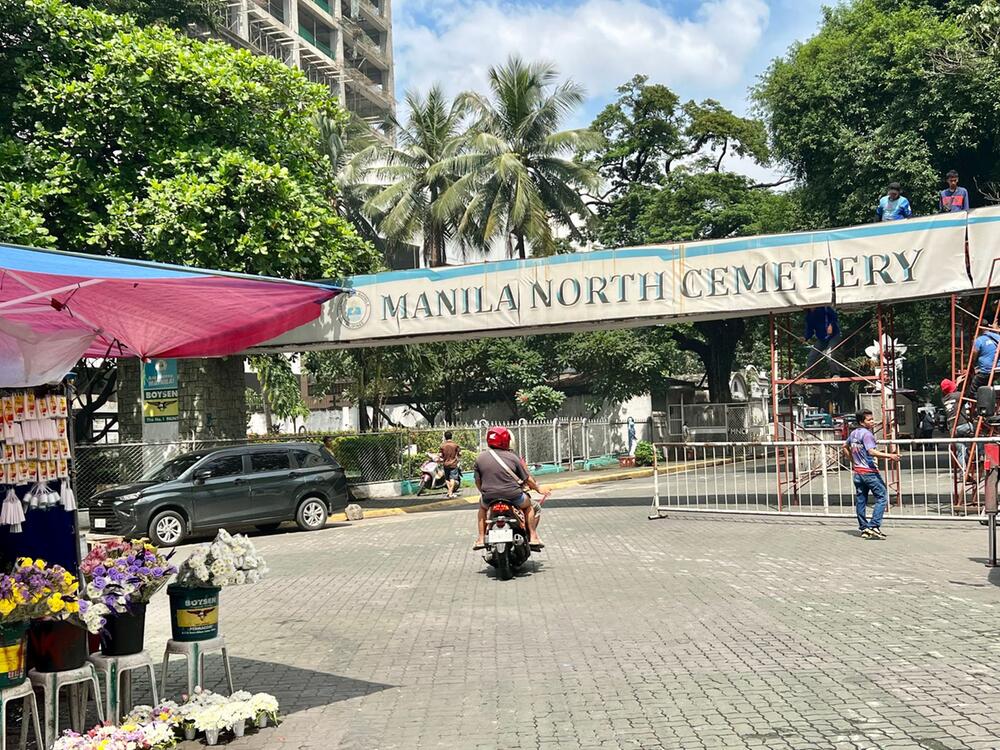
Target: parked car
258 485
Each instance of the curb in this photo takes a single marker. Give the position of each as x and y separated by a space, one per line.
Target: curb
474 499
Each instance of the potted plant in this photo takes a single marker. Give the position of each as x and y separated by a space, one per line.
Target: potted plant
124 576
48 598
264 708
194 597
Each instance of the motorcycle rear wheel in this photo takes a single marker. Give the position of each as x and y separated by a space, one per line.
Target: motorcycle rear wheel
505 570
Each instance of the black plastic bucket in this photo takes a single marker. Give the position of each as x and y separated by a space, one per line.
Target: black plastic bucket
56 646
194 612
124 634
13 648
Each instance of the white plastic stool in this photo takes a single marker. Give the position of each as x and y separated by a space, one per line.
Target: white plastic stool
194 652
27 692
116 671
52 682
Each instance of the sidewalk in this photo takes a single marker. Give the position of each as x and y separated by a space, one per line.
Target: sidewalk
392 506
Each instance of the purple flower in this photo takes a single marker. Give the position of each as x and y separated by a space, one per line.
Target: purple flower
144 571
100 570
100 583
158 572
110 601
116 575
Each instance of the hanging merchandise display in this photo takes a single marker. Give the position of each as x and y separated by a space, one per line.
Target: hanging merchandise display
34 454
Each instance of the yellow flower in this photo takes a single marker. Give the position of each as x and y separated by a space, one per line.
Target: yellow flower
68 579
40 564
25 562
6 606
56 604
19 595
73 607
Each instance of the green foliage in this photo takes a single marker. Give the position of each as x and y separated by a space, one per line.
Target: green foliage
138 142
407 207
643 453
280 385
540 401
21 221
885 91
515 180
175 13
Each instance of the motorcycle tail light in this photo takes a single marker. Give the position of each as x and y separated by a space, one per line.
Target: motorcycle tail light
501 508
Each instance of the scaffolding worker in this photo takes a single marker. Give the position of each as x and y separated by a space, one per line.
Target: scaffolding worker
957 418
821 324
984 354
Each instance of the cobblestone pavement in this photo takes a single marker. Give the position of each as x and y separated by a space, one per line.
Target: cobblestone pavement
687 632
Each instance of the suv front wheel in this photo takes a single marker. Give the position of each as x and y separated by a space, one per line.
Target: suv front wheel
167 529
312 514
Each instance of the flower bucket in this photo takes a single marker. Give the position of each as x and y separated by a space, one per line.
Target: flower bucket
261 720
56 645
212 736
124 634
240 728
194 612
190 731
13 647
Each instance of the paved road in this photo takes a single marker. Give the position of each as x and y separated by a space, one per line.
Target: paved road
688 632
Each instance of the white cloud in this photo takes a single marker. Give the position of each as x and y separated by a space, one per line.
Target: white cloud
598 43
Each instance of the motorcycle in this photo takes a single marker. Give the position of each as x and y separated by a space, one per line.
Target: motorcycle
506 539
432 475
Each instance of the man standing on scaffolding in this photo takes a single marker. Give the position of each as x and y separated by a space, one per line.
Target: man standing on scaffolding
862 449
821 323
984 352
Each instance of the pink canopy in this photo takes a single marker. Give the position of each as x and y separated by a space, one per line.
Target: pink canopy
56 307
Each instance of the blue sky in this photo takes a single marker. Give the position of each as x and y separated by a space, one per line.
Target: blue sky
700 48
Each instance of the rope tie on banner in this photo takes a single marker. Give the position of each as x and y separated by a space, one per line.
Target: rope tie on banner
11 513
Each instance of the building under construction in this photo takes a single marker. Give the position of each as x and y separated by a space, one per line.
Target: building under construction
345 45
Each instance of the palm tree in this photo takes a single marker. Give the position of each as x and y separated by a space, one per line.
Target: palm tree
351 148
406 207
517 178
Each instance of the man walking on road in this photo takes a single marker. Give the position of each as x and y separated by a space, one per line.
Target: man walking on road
451 453
861 447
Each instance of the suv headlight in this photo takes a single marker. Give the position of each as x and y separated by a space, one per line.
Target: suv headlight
127 498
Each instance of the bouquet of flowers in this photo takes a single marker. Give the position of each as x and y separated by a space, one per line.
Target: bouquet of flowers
123 573
35 590
227 560
153 735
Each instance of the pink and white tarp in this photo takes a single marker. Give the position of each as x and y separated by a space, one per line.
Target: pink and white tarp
56 307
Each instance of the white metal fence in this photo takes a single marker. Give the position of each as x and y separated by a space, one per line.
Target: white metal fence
815 478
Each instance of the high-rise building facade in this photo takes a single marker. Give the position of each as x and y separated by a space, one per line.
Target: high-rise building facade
343 44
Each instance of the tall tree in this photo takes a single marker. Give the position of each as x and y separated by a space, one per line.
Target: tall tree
517 178
886 92
663 168
406 207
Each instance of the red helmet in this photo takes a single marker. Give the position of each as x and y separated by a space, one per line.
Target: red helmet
498 437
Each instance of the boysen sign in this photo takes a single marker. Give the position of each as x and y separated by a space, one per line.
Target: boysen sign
646 285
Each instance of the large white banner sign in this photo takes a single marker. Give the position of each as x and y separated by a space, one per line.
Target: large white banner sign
645 285
984 246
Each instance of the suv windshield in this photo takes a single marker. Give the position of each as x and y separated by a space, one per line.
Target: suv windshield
173 468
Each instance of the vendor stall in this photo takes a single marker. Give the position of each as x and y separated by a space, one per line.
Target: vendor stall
56 308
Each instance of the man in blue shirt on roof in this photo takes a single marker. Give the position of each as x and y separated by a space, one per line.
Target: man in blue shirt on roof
955 198
893 206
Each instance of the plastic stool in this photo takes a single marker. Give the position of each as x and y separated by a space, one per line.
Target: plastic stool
194 652
25 691
52 682
116 671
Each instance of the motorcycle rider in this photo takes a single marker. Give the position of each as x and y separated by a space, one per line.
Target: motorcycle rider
500 475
